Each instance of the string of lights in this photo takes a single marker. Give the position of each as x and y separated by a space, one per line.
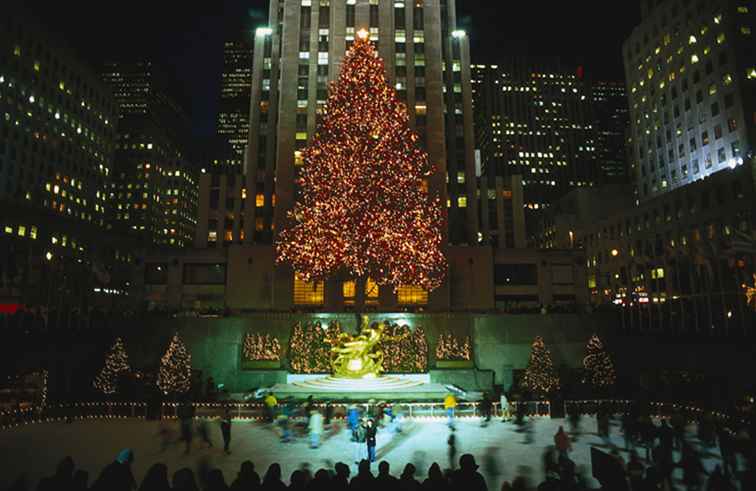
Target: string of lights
116 364
452 348
540 377
175 375
598 364
258 347
365 207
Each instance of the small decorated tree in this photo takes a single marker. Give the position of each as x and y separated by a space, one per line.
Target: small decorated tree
407 352
175 375
258 347
451 348
309 350
116 365
540 377
599 368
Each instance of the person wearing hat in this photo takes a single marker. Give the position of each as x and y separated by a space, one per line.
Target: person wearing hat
467 476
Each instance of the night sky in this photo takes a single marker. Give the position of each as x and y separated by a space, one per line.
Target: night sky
185 39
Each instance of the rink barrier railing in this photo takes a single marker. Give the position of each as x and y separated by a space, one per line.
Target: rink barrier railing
255 411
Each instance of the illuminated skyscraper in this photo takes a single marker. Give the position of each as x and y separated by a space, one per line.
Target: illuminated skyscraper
691 77
233 114
534 119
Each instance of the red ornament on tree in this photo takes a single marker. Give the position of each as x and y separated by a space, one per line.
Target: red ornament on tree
364 206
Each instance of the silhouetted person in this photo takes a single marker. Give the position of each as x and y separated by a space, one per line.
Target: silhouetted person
156 479
185 414
216 481
385 480
62 478
551 483
340 481
692 468
364 480
321 481
80 481
468 477
272 480
298 481
183 480
436 480
635 470
117 475
247 479
407 481
718 481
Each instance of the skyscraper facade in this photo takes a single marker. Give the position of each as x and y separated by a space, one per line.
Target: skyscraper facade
233 113
57 142
154 188
534 119
691 76
611 120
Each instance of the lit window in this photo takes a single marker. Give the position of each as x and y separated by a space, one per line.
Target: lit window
412 295
298 158
33 232
461 177
260 200
742 9
306 293
694 58
301 135
745 30
721 38
462 201
421 109
21 231
727 79
692 39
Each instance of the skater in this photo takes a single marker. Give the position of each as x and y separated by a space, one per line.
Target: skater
562 442
504 405
359 436
575 424
316 427
353 421
270 407
283 423
450 404
527 428
485 409
185 414
226 429
204 432
452 448
370 434
166 435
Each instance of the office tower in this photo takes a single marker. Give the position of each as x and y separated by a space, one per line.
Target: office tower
233 113
611 120
154 188
57 141
691 76
426 59
534 119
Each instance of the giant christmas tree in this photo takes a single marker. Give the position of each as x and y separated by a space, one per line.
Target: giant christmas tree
540 377
116 364
364 207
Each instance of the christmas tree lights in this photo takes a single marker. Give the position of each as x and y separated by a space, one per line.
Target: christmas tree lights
540 377
261 348
175 375
407 352
598 364
451 348
116 364
364 206
309 351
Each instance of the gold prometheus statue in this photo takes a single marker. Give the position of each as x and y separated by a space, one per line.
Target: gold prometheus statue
358 356
750 292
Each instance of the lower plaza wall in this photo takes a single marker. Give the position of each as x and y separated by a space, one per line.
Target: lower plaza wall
501 346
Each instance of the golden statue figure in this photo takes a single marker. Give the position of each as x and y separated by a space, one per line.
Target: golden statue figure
357 356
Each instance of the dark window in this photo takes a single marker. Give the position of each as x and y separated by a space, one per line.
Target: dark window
516 274
156 273
204 274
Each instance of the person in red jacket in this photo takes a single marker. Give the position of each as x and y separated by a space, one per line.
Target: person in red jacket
562 442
